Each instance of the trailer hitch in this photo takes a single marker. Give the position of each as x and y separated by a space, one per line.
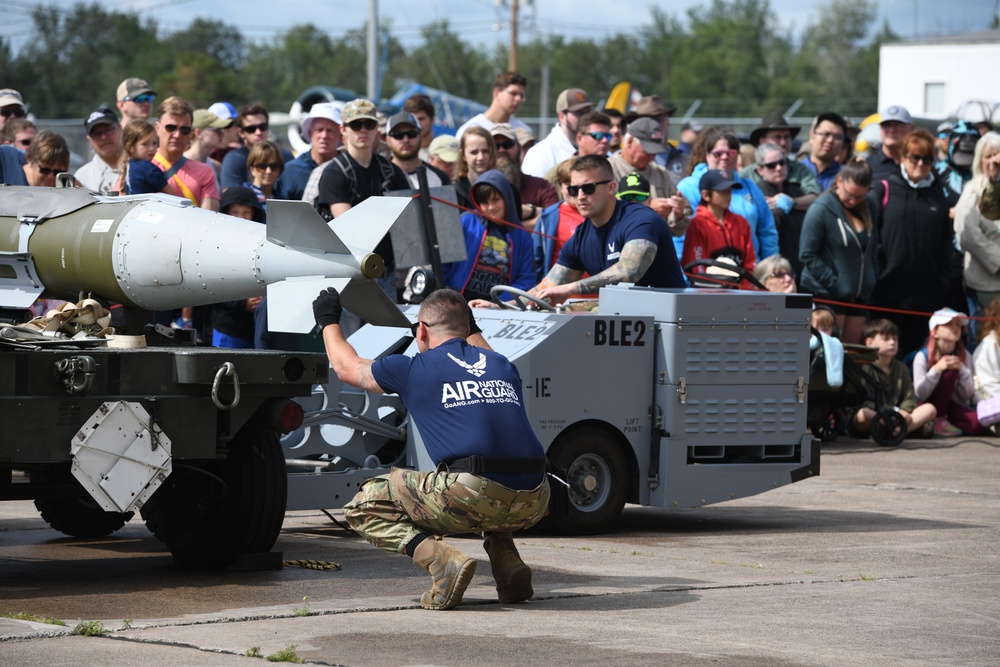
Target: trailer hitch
77 374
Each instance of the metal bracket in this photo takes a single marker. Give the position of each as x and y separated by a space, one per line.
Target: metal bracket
78 374
682 390
800 390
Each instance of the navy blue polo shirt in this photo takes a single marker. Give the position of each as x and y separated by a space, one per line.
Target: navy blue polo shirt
466 401
594 249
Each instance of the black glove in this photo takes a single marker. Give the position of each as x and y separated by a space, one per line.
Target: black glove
327 308
473 327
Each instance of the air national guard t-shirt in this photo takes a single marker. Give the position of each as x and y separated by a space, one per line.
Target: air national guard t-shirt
594 249
466 401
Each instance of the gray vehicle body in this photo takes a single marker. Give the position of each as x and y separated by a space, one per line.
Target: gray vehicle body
666 398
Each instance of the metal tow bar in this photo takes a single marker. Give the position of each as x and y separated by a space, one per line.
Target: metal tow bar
226 370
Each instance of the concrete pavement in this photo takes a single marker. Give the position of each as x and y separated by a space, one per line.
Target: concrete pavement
889 557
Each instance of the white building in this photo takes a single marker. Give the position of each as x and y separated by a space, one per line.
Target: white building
943 77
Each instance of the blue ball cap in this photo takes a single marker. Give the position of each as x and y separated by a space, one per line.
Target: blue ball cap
713 179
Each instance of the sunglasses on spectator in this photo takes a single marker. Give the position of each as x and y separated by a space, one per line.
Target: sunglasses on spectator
264 166
364 124
505 145
599 136
718 155
920 159
16 112
635 198
100 132
140 99
48 171
252 129
183 129
404 134
22 142
588 188
774 165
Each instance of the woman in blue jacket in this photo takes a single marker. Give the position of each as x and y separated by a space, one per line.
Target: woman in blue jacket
716 149
499 249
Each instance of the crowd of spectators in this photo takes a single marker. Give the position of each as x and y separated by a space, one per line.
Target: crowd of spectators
896 234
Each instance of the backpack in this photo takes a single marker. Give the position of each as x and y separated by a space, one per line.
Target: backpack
344 163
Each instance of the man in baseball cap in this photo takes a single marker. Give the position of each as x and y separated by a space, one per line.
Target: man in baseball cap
443 154
642 142
895 124
561 142
100 175
11 106
651 106
135 99
321 128
402 135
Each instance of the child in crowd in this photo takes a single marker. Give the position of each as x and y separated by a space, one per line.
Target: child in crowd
824 320
942 377
233 321
138 173
499 249
715 231
893 378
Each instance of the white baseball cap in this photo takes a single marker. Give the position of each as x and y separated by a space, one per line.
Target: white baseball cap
329 110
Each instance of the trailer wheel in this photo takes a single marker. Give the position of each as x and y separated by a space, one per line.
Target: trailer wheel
81 517
597 474
209 516
888 428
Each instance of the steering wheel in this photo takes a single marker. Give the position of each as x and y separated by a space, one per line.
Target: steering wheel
520 295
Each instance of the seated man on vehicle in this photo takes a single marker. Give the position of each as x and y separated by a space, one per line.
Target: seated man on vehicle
616 243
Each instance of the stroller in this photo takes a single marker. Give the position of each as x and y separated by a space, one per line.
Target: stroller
827 412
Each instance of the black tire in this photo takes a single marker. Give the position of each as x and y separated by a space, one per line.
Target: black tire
210 516
831 427
597 473
888 428
81 517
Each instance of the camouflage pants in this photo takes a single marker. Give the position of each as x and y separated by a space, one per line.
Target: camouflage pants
390 510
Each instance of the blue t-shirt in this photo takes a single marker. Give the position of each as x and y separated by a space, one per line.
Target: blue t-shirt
143 178
466 401
594 249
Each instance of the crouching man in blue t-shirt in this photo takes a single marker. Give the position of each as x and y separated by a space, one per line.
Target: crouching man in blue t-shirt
467 403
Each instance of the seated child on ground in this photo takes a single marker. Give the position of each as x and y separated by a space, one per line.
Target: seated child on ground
893 378
942 377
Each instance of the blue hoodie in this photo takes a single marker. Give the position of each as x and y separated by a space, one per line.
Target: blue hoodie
522 264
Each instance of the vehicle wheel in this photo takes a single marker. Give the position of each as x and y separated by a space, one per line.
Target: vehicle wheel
888 428
209 516
81 517
830 428
597 474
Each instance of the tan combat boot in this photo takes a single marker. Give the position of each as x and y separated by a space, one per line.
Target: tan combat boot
512 575
451 573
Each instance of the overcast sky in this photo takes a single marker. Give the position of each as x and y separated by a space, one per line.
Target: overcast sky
485 21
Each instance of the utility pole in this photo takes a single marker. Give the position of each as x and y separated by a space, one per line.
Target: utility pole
512 60
372 49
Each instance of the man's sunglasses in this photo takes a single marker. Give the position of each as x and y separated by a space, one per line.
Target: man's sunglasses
505 145
252 129
141 99
365 124
16 112
404 134
588 188
599 136
48 171
774 165
183 129
416 325
635 198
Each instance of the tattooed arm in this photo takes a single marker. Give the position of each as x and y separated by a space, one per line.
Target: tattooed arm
636 258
